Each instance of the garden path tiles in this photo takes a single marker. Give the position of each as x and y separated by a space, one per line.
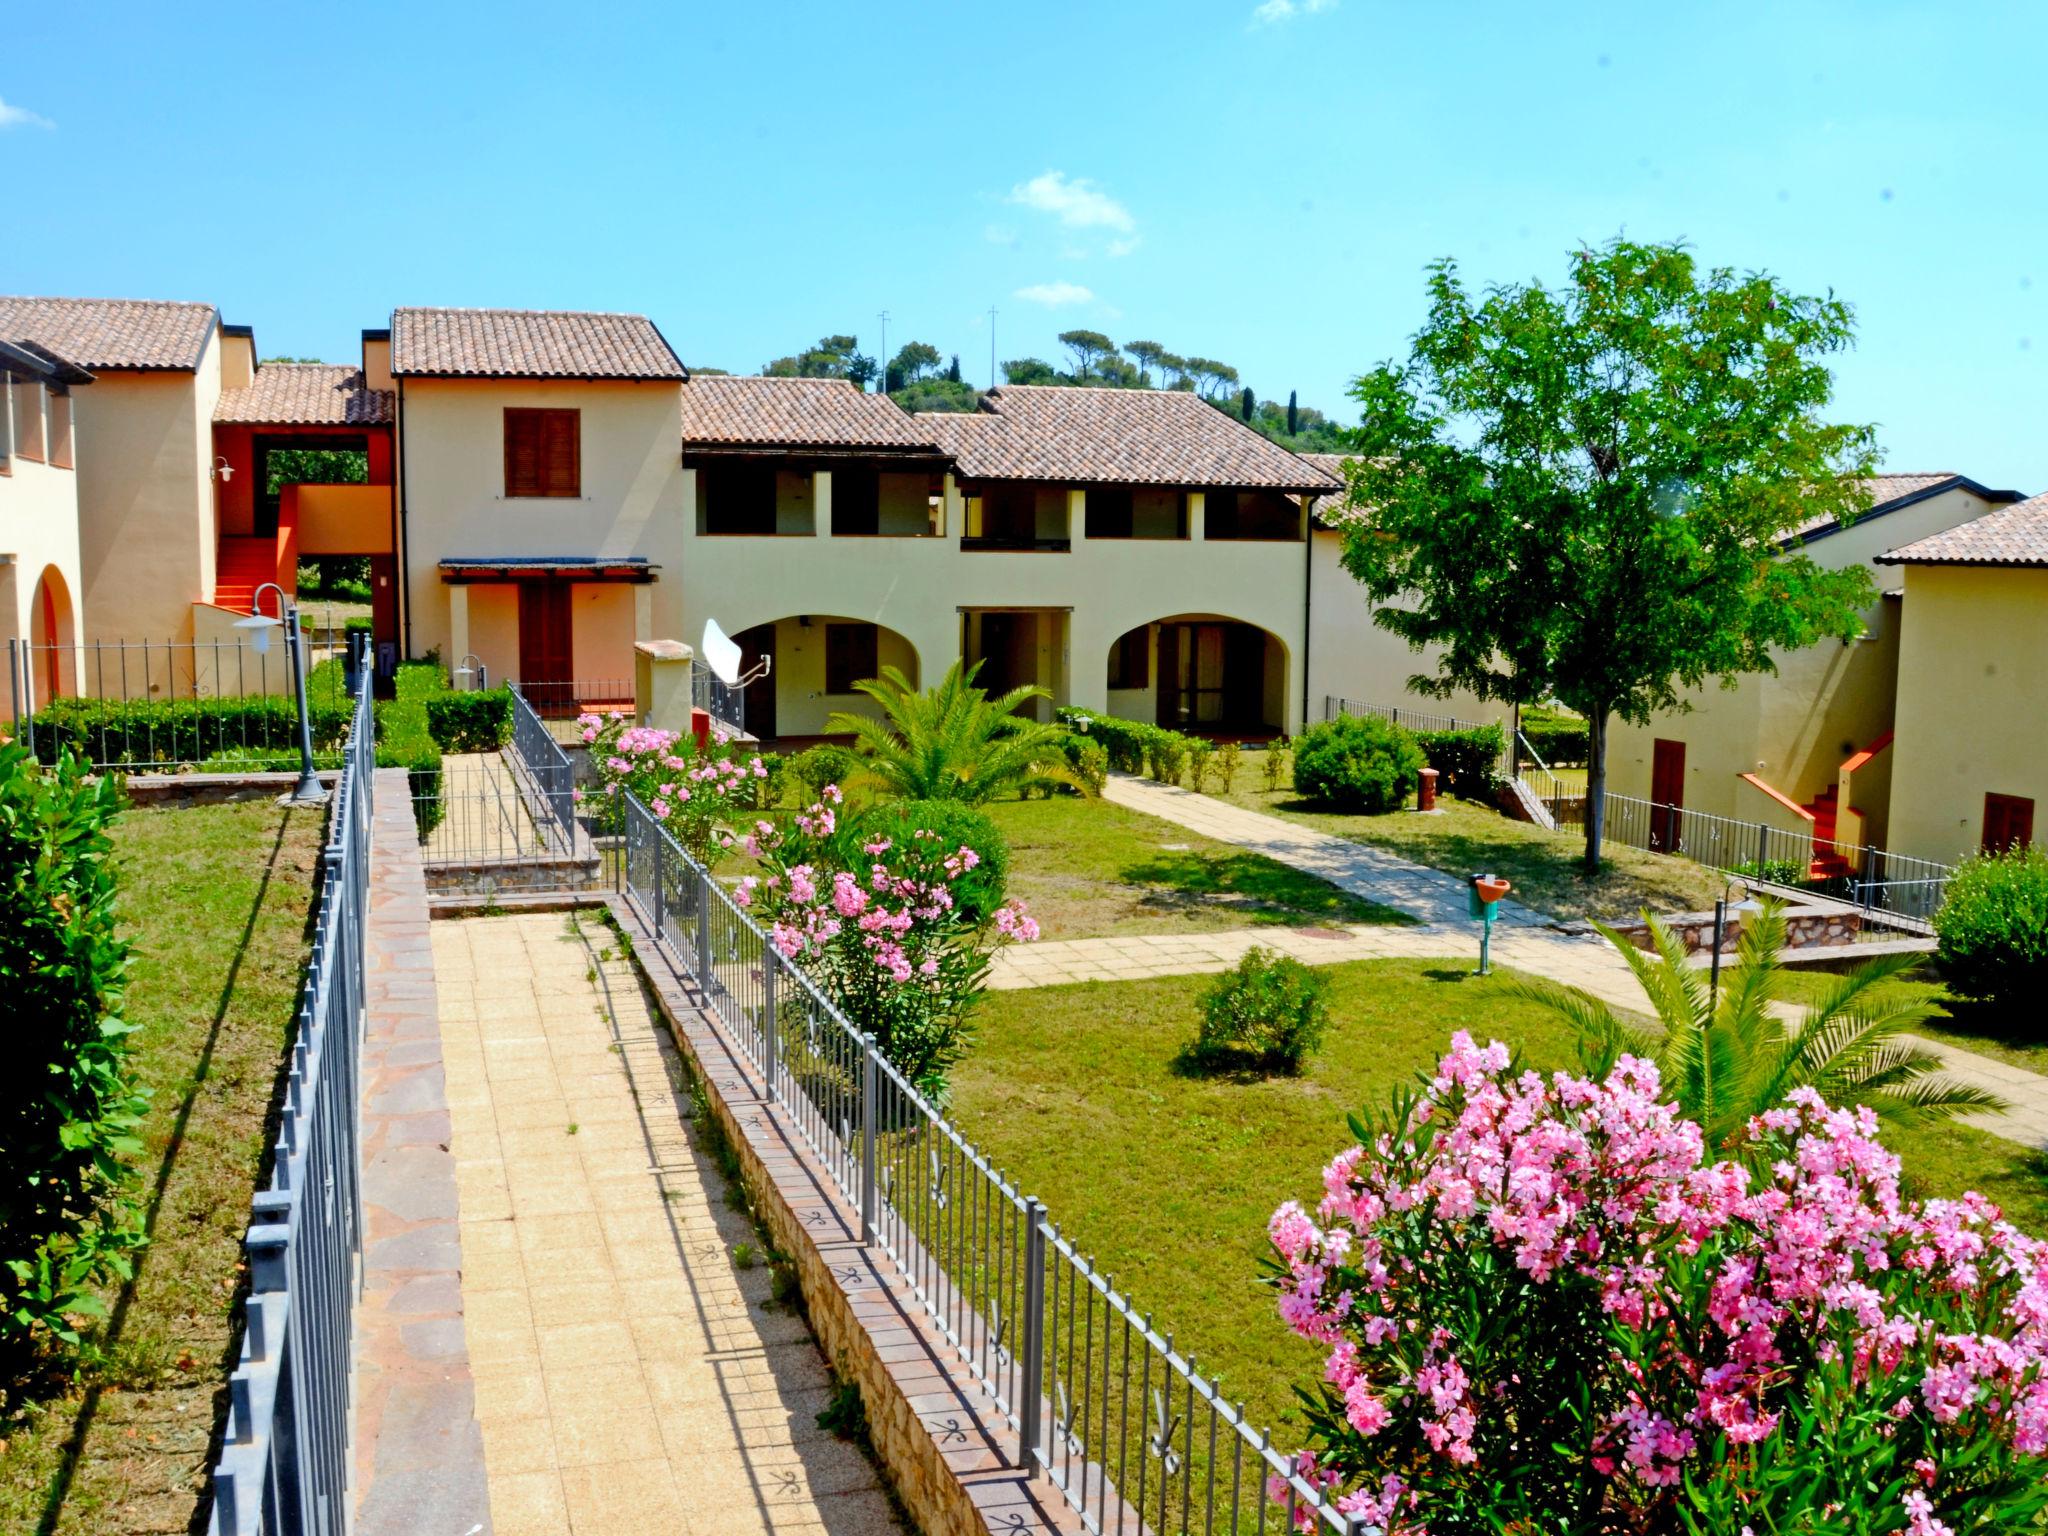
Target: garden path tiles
627 1375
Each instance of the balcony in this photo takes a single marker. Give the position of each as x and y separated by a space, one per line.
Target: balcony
339 519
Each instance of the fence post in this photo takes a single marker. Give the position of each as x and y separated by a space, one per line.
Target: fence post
771 1033
1763 846
659 886
1030 1427
703 880
870 1086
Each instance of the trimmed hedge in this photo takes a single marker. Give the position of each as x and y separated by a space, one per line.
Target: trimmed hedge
404 740
470 722
1357 763
1467 762
980 891
1133 746
1560 741
179 730
1992 929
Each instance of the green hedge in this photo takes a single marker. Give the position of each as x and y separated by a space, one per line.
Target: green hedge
1560 741
980 891
1467 762
1357 763
470 722
405 740
1133 746
1992 930
179 730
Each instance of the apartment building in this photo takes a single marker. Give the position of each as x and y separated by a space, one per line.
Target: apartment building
40 575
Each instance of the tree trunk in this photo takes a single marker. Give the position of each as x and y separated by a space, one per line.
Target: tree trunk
1596 787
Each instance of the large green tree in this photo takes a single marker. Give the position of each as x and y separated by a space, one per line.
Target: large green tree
1088 348
1585 492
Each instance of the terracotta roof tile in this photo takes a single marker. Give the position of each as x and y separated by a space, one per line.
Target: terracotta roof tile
112 333
725 411
306 395
2010 535
529 343
1889 492
1116 436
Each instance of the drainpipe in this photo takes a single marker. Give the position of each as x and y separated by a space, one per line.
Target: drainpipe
400 543
1308 587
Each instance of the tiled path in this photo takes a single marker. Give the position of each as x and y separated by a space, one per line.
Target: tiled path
628 1377
483 813
1523 938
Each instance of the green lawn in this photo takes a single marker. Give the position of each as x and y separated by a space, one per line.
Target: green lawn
1065 1082
1544 867
2007 1035
1088 868
216 900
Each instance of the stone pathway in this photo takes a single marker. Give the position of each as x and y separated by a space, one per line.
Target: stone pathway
1523 938
627 1376
483 813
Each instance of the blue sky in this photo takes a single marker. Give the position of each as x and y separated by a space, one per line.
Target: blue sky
1261 186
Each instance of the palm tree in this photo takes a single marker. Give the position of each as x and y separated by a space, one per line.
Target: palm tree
1724 1060
953 742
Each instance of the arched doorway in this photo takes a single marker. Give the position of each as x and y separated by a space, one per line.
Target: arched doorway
815 659
1204 673
55 638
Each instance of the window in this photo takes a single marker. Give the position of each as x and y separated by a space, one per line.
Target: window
856 501
1130 660
1252 515
2008 822
849 656
1109 512
60 430
543 452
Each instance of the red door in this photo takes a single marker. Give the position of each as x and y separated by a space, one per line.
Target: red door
546 665
1667 794
2008 822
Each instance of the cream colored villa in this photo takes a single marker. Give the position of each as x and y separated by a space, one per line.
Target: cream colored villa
39 561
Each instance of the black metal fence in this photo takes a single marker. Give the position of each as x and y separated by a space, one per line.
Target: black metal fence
1399 714
725 703
284 1464
1118 1418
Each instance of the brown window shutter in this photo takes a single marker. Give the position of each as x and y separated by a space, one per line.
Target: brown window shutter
522 452
561 453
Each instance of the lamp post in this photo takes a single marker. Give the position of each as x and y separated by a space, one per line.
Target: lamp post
308 791
1722 907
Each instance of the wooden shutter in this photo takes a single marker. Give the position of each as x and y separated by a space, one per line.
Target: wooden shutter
543 452
522 452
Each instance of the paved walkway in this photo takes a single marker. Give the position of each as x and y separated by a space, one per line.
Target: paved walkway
1523 939
628 1377
483 814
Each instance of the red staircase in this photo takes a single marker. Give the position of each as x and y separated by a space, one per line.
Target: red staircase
243 566
1825 808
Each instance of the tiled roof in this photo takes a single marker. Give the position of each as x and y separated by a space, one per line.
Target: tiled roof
1331 464
2011 535
1890 492
529 344
724 411
306 395
1116 436
112 333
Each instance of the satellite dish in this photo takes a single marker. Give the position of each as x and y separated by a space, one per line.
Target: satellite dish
721 654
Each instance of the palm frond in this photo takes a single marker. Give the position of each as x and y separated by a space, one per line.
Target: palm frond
1602 1038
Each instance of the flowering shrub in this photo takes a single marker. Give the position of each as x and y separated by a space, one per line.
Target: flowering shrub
875 921
1544 1311
691 794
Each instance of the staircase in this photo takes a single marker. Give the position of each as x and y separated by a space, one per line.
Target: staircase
242 566
1827 864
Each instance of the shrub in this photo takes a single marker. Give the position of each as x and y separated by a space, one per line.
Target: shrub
1271 1008
180 730
478 721
1089 760
1543 1309
1357 763
1560 740
1992 929
1229 758
955 825
1123 741
688 791
1467 762
69 1104
826 763
1777 871
773 784
360 622
1201 754
1166 755
1279 758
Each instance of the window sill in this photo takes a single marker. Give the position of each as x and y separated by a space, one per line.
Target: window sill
1016 546
765 535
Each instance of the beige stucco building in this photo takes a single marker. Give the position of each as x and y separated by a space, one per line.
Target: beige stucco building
1972 733
1811 747
39 552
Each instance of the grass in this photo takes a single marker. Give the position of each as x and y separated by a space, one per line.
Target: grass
216 901
1544 867
2006 1035
1088 868
1064 1082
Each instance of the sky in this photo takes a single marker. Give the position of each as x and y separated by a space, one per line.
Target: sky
1259 181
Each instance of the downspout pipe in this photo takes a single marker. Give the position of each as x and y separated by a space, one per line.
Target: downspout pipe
1308 587
402 542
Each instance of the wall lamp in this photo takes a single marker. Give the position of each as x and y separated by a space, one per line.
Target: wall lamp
221 469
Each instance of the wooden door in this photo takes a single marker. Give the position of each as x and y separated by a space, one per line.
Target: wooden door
1667 794
1166 678
2008 822
547 670
758 645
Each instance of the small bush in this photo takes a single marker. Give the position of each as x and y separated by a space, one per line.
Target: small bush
1279 757
1088 758
1271 1008
1357 763
1166 756
359 623
1777 871
957 825
1201 755
1124 741
768 791
826 763
470 722
1992 929
1560 740
1229 758
1467 762
69 1104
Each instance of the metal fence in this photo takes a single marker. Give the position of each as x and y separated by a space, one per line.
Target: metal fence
566 700
284 1462
1103 1402
1399 714
725 703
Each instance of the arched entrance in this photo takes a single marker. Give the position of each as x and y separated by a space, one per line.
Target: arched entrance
54 634
815 661
1203 673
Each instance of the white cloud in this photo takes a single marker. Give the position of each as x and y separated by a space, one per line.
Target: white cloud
1078 204
1123 247
21 117
1056 295
1269 12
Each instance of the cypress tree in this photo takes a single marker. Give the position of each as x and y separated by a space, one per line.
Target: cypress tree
1293 415
1247 403
953 371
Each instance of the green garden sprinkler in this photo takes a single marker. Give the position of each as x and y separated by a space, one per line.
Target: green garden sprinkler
1485 893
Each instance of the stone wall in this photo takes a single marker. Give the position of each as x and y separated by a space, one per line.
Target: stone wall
1805 927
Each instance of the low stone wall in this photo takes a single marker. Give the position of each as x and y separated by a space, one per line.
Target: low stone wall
945 1448
175 791
1805 927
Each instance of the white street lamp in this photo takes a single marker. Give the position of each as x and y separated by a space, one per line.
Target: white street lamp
308 791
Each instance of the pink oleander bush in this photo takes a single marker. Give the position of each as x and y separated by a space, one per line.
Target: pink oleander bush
876 922
694 795
1545 1311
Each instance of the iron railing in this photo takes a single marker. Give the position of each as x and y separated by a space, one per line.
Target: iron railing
1104 1404
1399 714
284 1461
550 776
725 703
556 700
